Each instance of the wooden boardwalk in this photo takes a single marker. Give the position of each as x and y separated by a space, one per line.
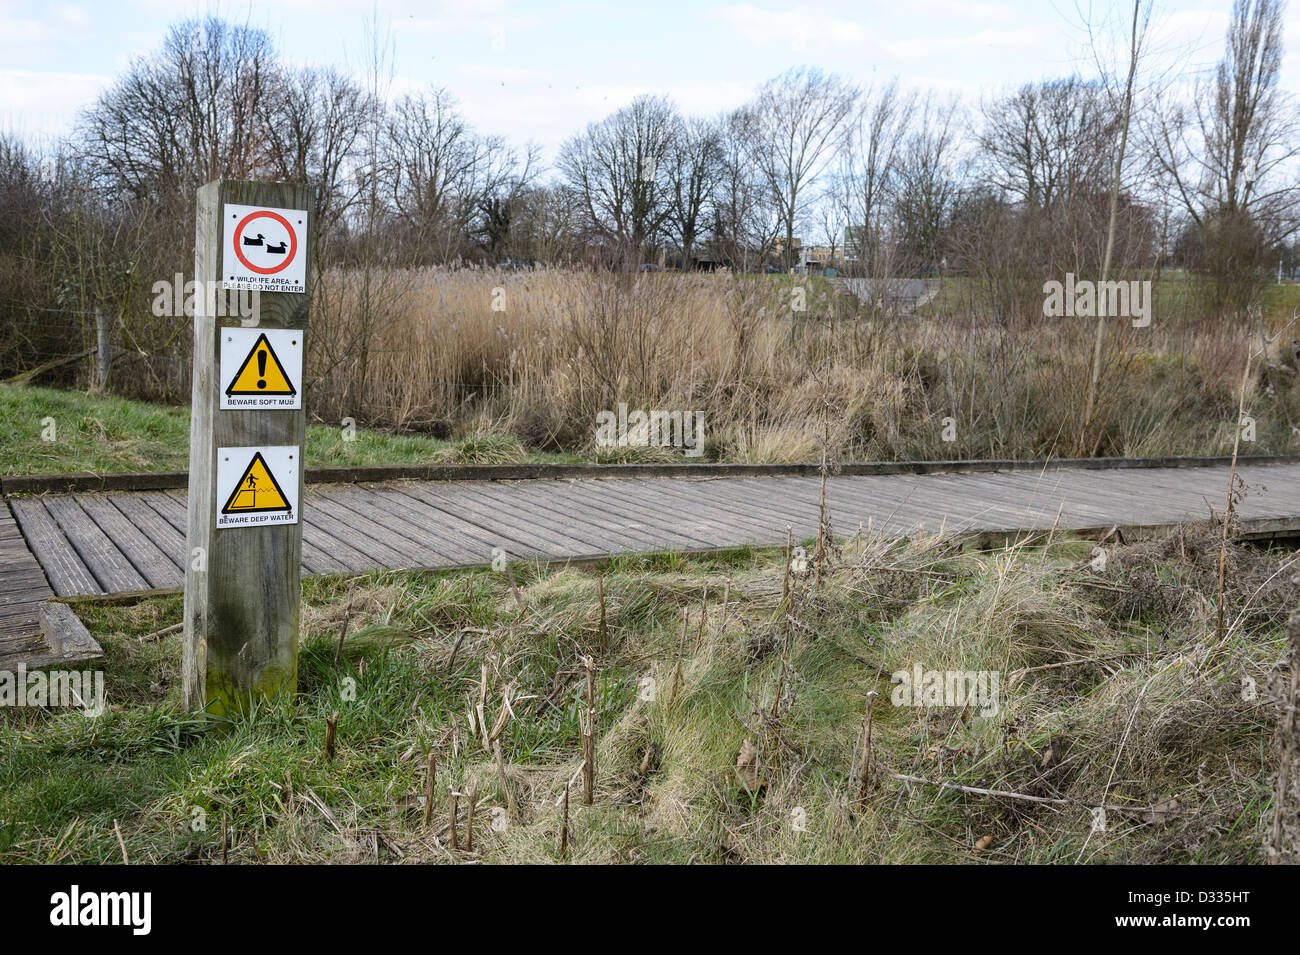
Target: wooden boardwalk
23 590
122 541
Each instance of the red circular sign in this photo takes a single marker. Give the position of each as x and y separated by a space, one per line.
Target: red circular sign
293 241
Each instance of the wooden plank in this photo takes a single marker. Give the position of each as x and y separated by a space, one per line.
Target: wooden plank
705 522
21 618
785 506
1123 503
946 506
1283 485
553 506
351 528
170 506
385 548
451 500
24 589
460 549
429 548
328 549
959 502
111 568
161 532
763 505
70 642
24 593
321 553
581 508
67 572
319 556
145 557
350 474
474 536
1076 506
576 532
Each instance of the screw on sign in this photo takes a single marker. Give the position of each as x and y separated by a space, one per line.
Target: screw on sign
263 248
244 497
260 368
259 486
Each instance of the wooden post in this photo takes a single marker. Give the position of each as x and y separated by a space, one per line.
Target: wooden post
244 546
588 726
451 816
430 775
103 350
472 797
564 824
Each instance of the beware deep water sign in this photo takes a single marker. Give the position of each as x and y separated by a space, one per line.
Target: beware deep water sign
261 368
263 249
257 487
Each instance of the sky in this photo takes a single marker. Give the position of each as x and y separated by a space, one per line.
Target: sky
540 71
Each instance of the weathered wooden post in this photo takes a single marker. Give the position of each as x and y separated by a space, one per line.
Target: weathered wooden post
247 429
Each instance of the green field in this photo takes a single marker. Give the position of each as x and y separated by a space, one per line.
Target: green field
106 435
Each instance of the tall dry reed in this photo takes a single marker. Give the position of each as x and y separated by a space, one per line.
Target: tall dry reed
540 353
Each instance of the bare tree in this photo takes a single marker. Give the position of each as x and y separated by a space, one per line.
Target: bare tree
745 223
1045 143
312 126
695 168
503 177
1123 96
431 158
184 116
1227 157
868 170
792 128
545 224
618 169
928 182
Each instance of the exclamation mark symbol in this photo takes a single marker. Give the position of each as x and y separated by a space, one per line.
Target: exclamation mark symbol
261 367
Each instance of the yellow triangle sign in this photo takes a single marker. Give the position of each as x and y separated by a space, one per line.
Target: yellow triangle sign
261 373
256 491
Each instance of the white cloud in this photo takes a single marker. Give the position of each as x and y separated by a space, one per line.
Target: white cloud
800 28
544 107
982 42
45 105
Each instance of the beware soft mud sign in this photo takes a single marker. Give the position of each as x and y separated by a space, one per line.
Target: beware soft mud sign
264 249
261 368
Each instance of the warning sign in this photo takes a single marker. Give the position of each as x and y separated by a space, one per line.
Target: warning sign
264 249
261 369
257 487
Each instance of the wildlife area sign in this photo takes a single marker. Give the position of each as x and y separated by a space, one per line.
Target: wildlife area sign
264 249
261 368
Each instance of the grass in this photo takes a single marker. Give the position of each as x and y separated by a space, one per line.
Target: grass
538 355
527 380
105 434
1114 690
541 353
